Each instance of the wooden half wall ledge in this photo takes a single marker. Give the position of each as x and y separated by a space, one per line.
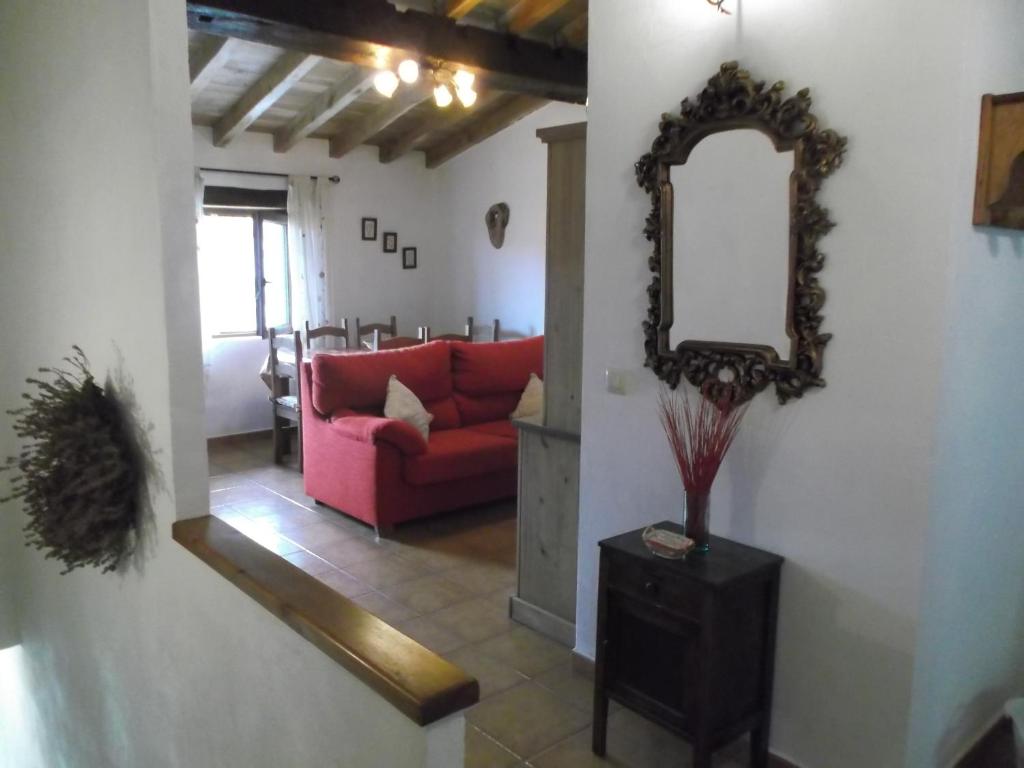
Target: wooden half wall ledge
418 682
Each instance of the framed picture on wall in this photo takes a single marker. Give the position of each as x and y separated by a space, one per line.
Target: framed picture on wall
408 258
369 228
390 242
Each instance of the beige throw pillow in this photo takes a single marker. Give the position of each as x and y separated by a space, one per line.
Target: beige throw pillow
402 403
532 401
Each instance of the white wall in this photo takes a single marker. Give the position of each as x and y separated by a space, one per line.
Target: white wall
970 654
365 282
838 482
507 283
165 664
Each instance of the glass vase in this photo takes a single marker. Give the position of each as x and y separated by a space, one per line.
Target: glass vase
697 519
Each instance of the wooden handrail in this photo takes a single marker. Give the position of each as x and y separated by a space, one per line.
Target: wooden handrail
421 684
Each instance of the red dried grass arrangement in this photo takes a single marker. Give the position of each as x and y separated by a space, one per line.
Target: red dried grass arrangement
699 437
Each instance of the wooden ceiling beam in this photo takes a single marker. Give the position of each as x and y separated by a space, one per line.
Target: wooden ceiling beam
575 32
282 75
475 129
212 54
362 31
323 108
366 127
526 14
456 9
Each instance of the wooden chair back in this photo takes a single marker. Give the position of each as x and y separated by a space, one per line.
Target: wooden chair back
284 370
395 342
390 328
424 332
328 332
284 391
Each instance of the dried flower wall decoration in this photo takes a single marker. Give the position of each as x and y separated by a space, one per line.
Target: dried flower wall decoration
81 474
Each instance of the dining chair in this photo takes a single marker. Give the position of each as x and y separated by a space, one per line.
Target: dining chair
390 328
424 332
285 406
328 332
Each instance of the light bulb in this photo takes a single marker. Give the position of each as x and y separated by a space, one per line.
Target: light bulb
463 79
442 96
466 95
409 71
385 82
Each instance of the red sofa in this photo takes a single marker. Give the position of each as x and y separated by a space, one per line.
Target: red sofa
380 470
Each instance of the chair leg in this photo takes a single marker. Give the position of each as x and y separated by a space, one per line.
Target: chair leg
298 433
279 438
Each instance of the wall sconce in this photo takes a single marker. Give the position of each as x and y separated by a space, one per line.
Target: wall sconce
718 4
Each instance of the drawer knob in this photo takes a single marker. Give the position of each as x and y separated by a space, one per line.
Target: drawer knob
651 587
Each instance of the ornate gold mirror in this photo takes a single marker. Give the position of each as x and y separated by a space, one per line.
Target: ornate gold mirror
735 298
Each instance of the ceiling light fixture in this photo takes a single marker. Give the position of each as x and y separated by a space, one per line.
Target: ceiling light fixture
442 96
409 71
467 96
386 82
463 79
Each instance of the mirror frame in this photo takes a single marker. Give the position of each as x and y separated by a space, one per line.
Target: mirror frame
734 100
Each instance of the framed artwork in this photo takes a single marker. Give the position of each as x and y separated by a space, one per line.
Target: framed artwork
369 228
408 258
999 189
390 242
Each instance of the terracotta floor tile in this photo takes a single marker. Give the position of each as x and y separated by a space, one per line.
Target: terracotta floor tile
240 493
429 560
484 752
383 607
473 620
384 572
347 551
427 594
575 752
567 683
290 519
527 719
309 562
343 583
481 578
526 651
317 535
429 634
493 676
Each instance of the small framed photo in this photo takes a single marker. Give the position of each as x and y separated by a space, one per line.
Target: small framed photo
408 258
369 228
390 242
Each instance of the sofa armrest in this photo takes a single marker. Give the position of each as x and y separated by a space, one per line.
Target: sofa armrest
374 429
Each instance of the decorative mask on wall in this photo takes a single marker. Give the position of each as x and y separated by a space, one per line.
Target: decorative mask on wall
496 220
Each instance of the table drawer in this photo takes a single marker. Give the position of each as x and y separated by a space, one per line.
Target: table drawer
674 595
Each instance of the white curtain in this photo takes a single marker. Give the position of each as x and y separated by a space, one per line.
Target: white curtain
307 255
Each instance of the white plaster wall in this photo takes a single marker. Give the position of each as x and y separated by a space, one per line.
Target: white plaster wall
507 283
365 282
837 482
165 664
970 655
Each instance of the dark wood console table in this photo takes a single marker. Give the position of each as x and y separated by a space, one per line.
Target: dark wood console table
688 643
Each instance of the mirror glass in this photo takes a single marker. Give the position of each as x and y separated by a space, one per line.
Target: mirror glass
731 242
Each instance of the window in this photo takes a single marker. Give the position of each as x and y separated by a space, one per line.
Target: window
243 262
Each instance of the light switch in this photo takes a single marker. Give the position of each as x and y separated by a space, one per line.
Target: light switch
616 380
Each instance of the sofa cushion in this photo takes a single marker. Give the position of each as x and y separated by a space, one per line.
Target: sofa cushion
490 368
445 413
502 428
489 377
359 381
477 410
459 453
